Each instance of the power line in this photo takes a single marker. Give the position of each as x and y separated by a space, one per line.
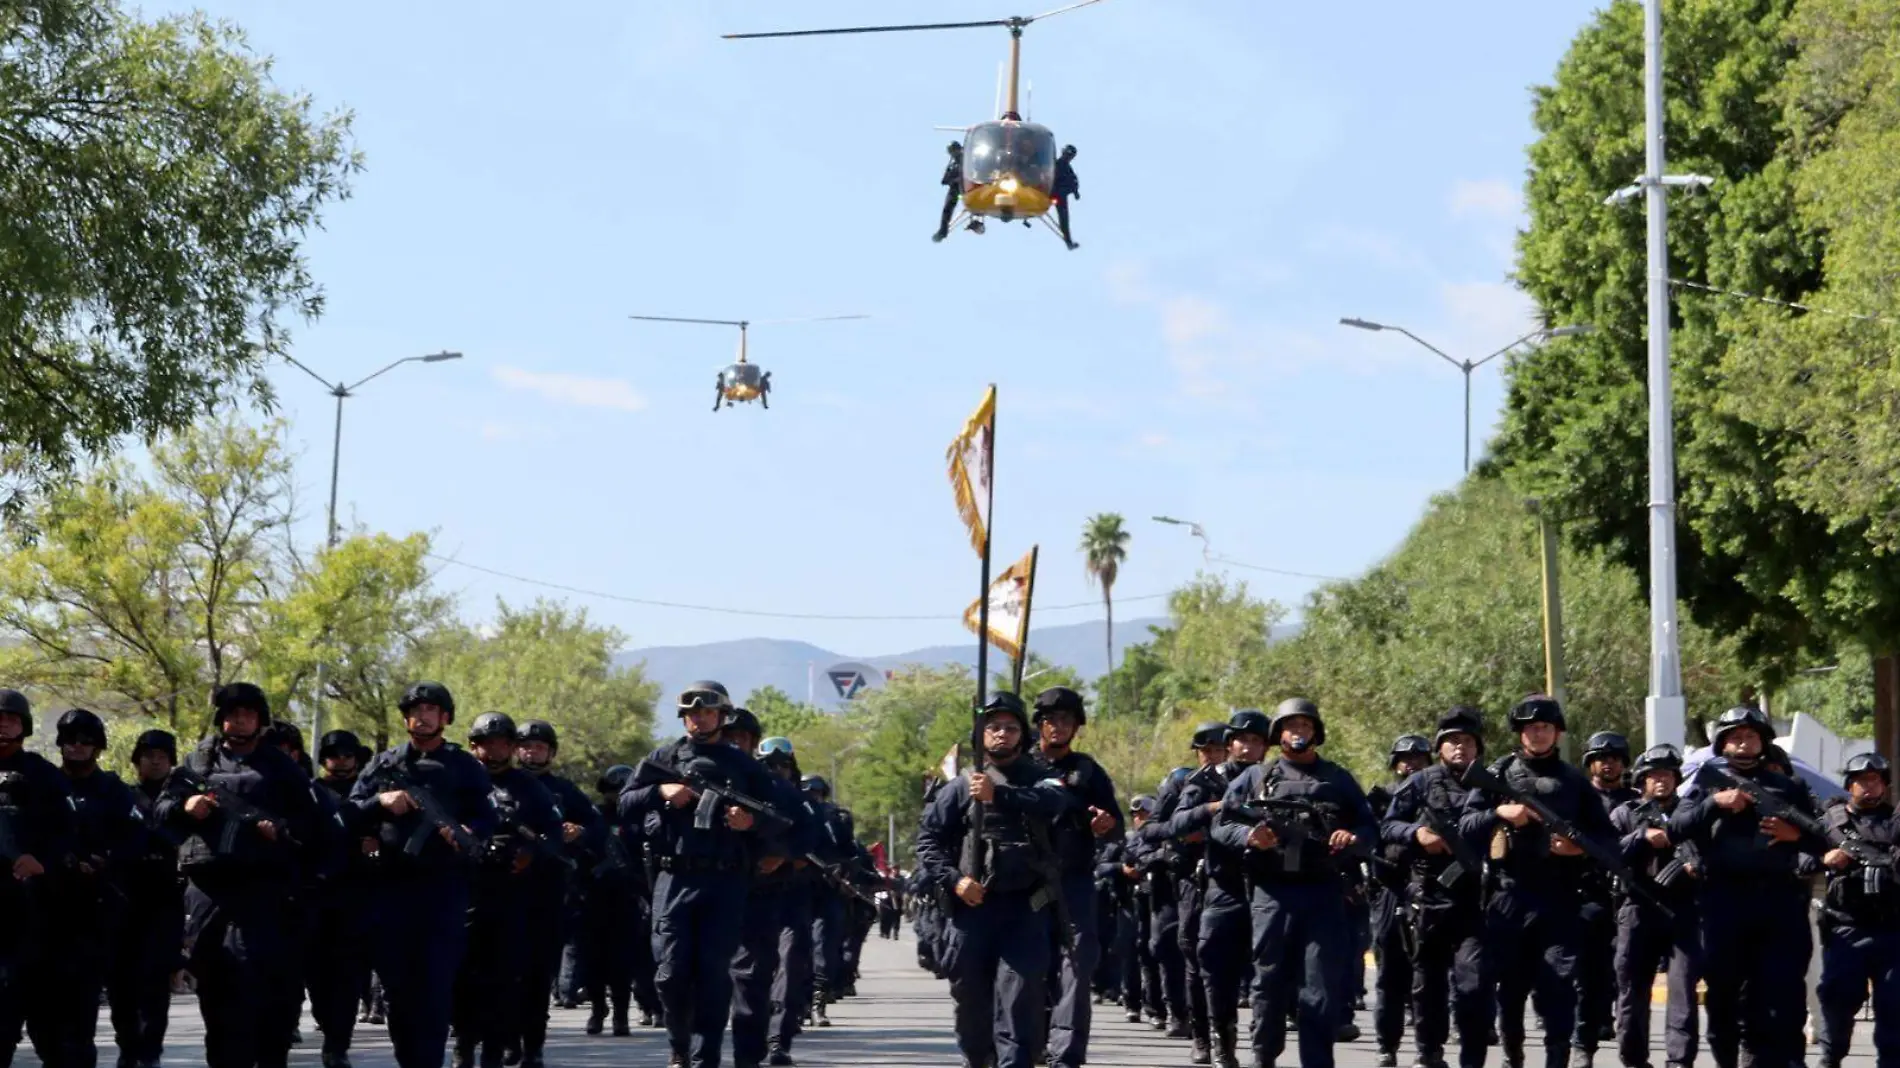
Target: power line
1796 305
1277 571
758 612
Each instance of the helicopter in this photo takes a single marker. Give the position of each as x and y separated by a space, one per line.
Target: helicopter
742 382
1009 165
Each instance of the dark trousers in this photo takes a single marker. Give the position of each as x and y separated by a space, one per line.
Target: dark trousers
487 993
997 958
1646 943
139 978
337 969
828 973
753 968
1851 960
1596 975
240 945
63 1012
1533 946
1181 966
609 949
1755 943
950 196
1141 974
421 936
546 938
1223 952
1449 983
1300 941
697 923
791 988
1392 986
1074 1010
1062 217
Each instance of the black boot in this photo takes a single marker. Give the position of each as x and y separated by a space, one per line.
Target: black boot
621 1029
597 1019
1224 1042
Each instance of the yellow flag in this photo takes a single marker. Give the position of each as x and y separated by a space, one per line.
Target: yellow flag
1009 606
971 466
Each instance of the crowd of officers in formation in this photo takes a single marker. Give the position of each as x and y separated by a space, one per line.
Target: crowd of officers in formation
432 887
1478 886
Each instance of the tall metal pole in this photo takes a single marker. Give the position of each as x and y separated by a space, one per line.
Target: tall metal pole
1664 709
336 460
1468 369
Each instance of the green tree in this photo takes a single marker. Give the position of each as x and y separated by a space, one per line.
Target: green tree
779 714
155 190
1104 548
546 661
1752 560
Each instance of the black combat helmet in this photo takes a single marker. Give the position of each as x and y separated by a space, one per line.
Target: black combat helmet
491 725
1293 707
428 693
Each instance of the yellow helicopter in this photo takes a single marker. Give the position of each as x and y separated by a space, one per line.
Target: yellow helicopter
1009 165
741 382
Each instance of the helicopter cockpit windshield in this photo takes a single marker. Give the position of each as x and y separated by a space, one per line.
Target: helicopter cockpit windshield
742 375
993 151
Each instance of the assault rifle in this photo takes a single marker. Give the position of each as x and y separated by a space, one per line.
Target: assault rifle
1479 777
1295 821
1464 860
435 816
839 878
238 814
12 783
509 810
714 797
1650 817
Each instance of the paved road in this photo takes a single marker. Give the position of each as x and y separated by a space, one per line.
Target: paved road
901 1020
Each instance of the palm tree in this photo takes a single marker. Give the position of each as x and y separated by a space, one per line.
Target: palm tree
1104 547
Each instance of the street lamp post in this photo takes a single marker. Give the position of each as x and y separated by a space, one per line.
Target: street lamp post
1195 529
1664 710
1468 366
342 392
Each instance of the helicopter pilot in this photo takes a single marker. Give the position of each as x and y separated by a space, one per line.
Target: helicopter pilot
1065 187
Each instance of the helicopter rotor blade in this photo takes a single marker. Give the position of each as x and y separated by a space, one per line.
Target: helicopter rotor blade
676 319
1058 11
869 29
808 319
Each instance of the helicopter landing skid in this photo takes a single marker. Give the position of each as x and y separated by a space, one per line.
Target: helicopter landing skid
963 221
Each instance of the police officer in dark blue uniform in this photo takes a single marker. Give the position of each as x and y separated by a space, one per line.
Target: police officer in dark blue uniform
421 895
321 859
1299 889
1002 896
1178 934
337 969
1059 716
1754 899
86 900
555 908
510 885
1066 188
1387 898
242 807
1860 925
1532 917
1647 940
1226 928
1446 894
757 963
36 809
1606 760
610 906
792 984
1135 871
827 904
146 953
705 869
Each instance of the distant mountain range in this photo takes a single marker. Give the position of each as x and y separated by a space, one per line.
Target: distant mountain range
800 668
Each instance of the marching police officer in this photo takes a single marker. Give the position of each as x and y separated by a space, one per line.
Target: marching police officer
555 907
427 803
1860 926
1606 759
1226 927
1647 940
241 807
1059 716
1753 898
1533 910
1446 893
834 848
757 963
36 809
337 970
1178 929
86 902
998 939
1409 754
792 985
610 948
1299 888
699 896
146 953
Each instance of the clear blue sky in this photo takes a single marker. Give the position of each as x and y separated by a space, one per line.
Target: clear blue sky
1251 171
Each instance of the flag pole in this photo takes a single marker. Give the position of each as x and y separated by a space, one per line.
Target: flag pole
983 590
1029 601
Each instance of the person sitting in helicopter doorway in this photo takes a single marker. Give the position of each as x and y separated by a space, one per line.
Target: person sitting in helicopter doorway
1066 187
952 191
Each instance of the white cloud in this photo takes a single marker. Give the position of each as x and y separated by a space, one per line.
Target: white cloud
1486 197
578 390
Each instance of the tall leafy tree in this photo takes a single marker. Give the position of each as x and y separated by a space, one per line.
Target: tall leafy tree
1104 547
155 190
